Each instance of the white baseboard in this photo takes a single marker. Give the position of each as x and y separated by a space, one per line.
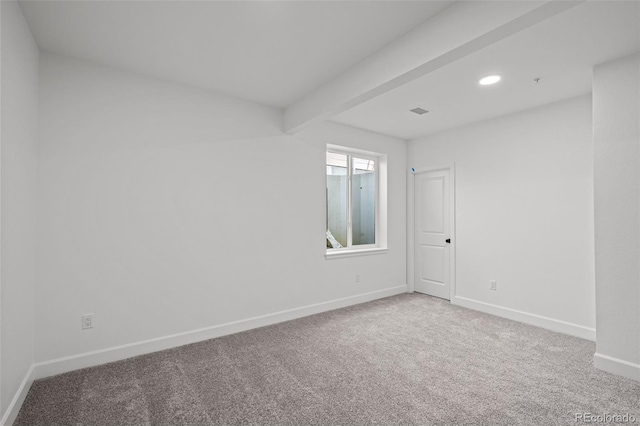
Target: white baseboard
527 318
90 359
14 406
617 366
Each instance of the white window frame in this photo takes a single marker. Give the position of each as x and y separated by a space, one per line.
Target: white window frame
364 249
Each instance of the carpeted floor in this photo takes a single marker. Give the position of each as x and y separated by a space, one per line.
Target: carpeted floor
409 359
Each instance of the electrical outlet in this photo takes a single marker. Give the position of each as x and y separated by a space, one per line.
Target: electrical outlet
357 278
87 321
493 285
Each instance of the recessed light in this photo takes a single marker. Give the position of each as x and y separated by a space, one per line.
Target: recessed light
419 111
491 79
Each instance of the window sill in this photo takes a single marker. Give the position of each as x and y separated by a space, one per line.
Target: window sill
339 254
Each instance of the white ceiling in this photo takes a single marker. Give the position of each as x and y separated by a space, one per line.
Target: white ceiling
276 52
561 51
271 52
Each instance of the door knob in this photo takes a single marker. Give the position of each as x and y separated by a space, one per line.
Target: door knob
448 241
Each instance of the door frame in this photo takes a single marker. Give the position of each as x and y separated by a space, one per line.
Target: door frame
411 225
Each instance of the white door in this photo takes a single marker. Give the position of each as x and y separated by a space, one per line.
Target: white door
432 251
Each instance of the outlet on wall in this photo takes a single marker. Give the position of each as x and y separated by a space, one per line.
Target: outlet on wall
493 285
357 278
87 321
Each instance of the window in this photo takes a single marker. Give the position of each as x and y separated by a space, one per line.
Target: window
352 200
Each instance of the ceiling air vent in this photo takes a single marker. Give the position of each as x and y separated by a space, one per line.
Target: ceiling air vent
419 111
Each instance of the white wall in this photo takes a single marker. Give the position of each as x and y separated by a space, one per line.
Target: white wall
524 213
18 176
616 126
164 209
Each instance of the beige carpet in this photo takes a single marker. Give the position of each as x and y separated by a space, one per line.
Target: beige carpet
408 359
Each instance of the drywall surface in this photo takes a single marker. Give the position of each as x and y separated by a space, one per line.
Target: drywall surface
616 129
165 209
524 209
20 57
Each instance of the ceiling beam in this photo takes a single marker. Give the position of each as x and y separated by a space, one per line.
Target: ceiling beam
460 30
